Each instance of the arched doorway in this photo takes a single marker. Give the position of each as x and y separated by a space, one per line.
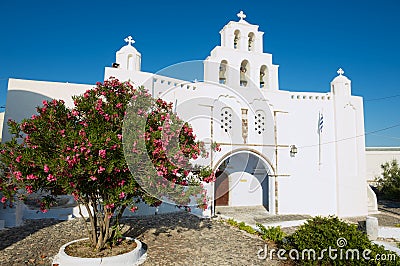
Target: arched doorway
242 179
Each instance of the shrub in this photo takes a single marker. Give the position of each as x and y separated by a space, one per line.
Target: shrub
321 234
232 222
388 183
242 226
247 228
272 233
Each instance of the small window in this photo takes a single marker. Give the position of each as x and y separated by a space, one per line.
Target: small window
250 41
130 63
222 71
236 39
259 122
244 70
226 119
263 76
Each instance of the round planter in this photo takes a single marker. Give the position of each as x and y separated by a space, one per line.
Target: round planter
134 257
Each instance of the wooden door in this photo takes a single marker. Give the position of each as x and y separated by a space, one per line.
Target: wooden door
221 189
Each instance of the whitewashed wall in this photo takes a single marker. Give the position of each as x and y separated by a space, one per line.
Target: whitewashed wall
23 96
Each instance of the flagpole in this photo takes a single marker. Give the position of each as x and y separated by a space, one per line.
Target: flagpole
319 149
320 126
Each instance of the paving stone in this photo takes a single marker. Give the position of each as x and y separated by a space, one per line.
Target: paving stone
171 239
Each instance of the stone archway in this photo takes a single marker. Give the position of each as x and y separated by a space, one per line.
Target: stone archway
243 179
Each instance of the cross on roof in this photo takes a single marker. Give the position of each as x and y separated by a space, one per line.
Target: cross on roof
129 40
241 15
340 71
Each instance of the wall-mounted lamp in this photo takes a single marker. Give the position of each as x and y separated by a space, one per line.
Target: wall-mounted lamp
293 150
115 65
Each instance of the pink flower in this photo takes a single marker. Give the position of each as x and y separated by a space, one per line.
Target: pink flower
18 175
76 196
122 195
134 208
93 178
75 113
101 169
118 105
119 136
102 153
18 159
110 206
3 199
46 168
29 189
31 177
51 178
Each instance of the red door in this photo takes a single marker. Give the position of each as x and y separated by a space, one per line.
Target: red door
221 189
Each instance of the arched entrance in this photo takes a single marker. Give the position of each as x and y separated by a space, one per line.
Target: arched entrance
242 179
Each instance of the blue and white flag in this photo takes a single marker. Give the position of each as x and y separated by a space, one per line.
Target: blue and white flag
320 123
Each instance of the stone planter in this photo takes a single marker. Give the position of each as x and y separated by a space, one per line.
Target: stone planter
134 257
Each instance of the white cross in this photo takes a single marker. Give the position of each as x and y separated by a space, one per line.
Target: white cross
129 40
340 71
241 15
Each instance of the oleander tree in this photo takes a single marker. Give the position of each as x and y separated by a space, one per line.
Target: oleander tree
116 147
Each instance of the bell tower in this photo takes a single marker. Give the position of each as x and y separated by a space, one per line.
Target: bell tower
240 61
128 58
242 36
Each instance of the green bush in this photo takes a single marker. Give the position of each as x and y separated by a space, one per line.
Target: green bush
272 233
388 183
327 233
242 226
232 222
247 228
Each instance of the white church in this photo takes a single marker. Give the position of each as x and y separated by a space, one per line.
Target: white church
291 152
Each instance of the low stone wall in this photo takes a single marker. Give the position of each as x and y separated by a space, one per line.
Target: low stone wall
11 217
376 156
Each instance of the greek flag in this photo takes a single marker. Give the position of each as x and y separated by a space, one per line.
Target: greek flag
320 123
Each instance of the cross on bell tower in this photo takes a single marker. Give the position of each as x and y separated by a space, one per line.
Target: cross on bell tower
241 15
129 40
340 71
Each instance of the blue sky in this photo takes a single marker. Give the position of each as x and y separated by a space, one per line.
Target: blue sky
72 41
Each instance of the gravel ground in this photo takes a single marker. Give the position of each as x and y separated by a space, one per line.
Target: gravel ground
175 239
171 239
